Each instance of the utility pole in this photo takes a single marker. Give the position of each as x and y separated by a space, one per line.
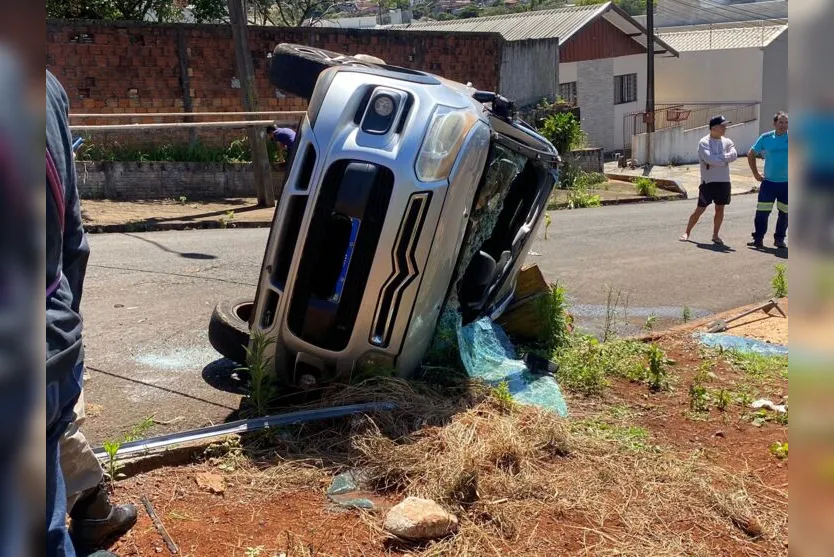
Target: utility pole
249 95
650 77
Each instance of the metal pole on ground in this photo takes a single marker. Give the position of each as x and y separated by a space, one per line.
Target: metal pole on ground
249 95
650 78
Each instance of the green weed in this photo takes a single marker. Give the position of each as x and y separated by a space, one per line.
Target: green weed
261 385
779 282
611 305
236 152
585 363
552 313
657 374
503 396
687 314
779 450
581 199
646 187
111 448
632 437
227 218
723 400
254 551
759 366
651 322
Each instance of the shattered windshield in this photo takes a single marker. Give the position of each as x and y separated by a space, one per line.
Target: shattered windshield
503 166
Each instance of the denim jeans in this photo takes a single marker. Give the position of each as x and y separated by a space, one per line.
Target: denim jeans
60 400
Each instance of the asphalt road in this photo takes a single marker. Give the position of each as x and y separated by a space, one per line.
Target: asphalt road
148 298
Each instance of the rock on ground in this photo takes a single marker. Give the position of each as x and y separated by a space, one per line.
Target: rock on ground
420 519
213 483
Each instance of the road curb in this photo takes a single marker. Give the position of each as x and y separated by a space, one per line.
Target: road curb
663 183
166 226
606 202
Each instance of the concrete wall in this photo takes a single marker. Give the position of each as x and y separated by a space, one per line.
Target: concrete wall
589 160
708 76
774 81
680 146
529 70
595 97
168 180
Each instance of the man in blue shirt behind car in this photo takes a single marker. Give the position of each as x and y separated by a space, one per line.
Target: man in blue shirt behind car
773 146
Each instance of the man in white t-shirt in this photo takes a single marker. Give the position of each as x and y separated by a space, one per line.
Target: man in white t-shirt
715 152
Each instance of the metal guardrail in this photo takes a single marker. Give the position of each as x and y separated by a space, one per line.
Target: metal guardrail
686 115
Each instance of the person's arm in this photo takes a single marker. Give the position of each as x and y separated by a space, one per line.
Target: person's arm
752 155
705 155
754 167
76 251
730 154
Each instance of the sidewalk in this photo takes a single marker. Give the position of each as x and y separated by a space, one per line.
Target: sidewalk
168 214
688 176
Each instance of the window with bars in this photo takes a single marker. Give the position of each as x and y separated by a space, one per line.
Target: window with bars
568 92
625 88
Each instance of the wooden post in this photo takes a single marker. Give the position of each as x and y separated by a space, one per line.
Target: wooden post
185 83
249 96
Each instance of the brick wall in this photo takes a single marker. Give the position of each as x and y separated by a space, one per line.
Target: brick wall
122 67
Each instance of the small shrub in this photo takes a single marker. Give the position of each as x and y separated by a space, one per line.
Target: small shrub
651 322
656 373
563 130
698 397
686 314
552 313
723 400
646 187
780 281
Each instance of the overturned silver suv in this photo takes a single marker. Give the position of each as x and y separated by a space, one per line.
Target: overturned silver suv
406 195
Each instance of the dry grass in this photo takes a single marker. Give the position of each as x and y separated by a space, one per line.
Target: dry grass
525 482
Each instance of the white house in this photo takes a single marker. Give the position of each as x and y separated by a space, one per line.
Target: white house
730 63
601 63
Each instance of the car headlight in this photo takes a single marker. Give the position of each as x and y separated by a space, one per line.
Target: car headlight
447 129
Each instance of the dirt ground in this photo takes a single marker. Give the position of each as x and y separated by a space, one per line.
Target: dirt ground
160 213
287 513
768 327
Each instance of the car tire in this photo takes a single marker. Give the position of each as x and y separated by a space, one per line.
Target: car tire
295 68
228 329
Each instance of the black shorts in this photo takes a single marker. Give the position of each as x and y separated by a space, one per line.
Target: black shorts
714 192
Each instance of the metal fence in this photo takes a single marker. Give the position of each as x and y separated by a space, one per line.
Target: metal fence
685 115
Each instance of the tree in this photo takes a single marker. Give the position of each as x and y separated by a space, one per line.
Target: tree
298 13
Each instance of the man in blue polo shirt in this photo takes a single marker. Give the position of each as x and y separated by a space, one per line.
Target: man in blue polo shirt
773 146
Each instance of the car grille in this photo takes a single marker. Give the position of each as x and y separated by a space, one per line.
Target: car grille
338 252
